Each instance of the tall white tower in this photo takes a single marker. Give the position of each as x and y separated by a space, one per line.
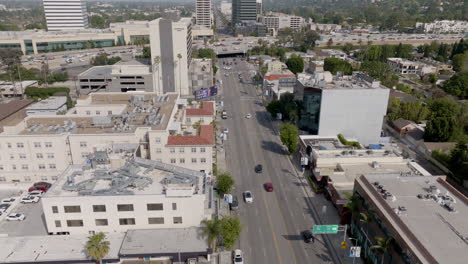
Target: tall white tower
203 13
65 14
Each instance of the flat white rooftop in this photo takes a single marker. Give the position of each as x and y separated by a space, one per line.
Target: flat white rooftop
51 103
436 215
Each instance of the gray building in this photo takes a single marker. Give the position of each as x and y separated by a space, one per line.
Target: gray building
117 78
252 28
244 11
354 106
201 74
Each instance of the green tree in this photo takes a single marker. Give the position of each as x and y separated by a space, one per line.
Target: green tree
440 129
460 62
97 247
231 229
444 107
335 65
295 64
457 85
274 107
382 246
432 78
347 47
458 162
97 21
211 229
146 52
224 183
289 135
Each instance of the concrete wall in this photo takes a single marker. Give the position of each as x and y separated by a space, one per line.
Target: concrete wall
356 113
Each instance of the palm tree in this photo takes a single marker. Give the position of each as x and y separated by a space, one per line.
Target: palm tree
211 229
179 56
97 247
383 246
352 202
157 61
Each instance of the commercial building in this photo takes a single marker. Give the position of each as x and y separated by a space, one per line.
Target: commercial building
351 105
244 11
171 54
117 78
65 14
9 89
404 66
39 148
276 66
141 194
424 216
259 8
203 13
278 83
325 28
201 74
443 26
53 105
251 28
277 21
226 8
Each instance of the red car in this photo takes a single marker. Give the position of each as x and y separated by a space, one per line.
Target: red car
268 186
40 186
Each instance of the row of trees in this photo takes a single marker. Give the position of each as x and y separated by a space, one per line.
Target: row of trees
382 52
335 65
286 106
456 160
103 59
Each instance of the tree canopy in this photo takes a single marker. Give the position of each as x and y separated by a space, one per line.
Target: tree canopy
295 64
224 183
97 247
457 85
335 65
289 135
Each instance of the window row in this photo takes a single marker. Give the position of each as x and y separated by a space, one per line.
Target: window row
28 178
120 207
38 156
36 145
26 167
182 150
99 112
182 160
122 221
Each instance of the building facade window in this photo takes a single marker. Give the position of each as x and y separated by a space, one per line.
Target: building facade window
13 167
177 220
88 112
54 178
174 206
84 154
194 160
55 209
98 112
172 150
173 161
99 208
109 112
19 145
194 150
39 156
83 144
48 144
158 150
74 223
203 150
12 157
101 222
158 140
124 207
1 167
182 160
41 166
44 178
181 150
127 221
22 156
9 145
156 220
50 155
72 209
37 144
155 207
203 160
58 223
52 166
25 167
27 178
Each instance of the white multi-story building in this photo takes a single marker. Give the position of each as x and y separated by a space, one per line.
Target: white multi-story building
141 194
279 21
171 55
203 13
39 148
444 26
404 66
65 14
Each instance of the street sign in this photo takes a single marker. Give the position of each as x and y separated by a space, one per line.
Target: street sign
325 229
355 252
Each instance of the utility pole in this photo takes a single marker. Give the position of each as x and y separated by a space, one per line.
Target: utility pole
21 81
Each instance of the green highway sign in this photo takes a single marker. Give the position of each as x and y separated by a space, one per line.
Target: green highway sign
325 229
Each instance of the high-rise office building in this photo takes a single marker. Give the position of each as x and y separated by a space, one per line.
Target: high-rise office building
259 7
171 54
65 14
244 11
203 13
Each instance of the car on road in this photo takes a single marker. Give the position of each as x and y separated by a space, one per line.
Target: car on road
307 236
8 200
15 217
268 186
258 168
226 131
248 116
30 199
36 193
238 257
234 205
248 197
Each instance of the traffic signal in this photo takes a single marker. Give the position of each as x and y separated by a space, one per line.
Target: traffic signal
343 245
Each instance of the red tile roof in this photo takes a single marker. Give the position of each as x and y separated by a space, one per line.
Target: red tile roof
273 77
206 109
206 137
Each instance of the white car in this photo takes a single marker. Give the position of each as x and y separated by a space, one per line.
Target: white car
8 200
248 116
238 257
15 217
36 193
226 131
248 197
30 199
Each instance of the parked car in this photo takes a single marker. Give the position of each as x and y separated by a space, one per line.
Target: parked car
307 236
235 203
4 207
268 186
40 186
226 131
8 200
258 168
248 197
36 193
238 257
15 217
248 116
30 199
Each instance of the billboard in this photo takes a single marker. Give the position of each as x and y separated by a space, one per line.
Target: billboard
205 92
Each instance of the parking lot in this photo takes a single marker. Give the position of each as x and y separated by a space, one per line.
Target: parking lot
33 225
